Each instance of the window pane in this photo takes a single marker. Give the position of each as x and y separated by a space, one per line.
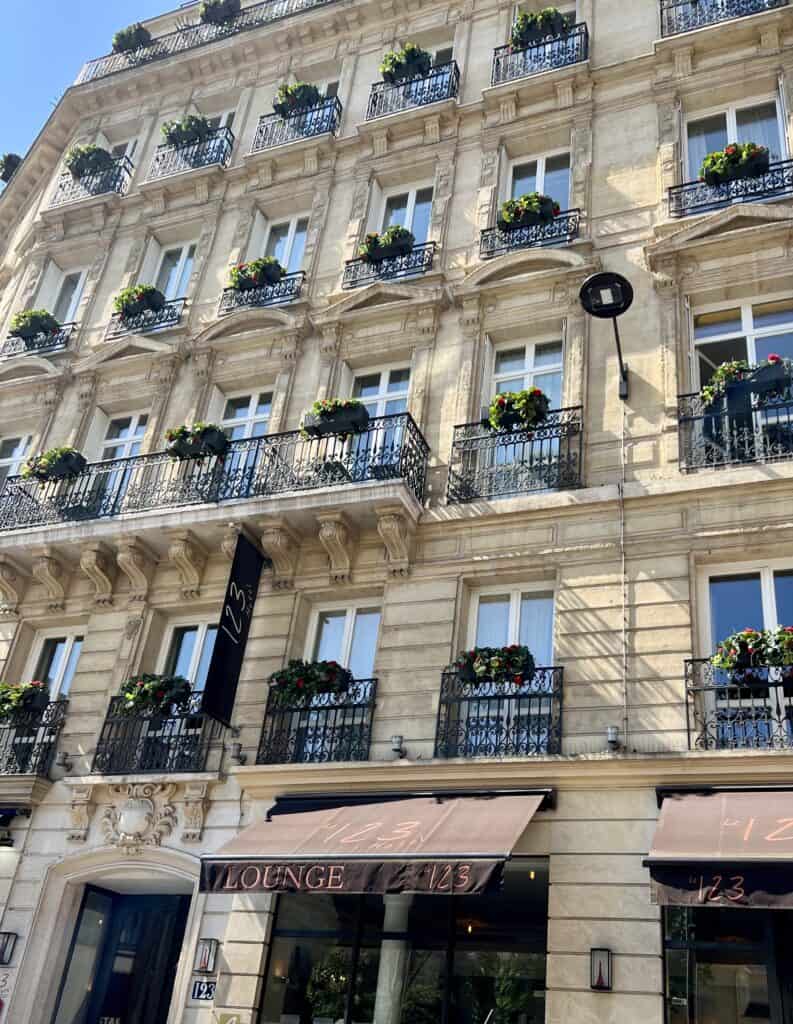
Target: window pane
536 626
716 352
783 589
181 654
330 634
548 355
511 361
51 660
557 179
264 405
119 429
206 656
398 380
760 125
64 306
716 325
9 447
71 666
779 344
368 386
276 242
237 408
443 56
331 90
166 279
396 210
492 624
364 644
184 277
298 246
395 406
421 215
705 137
512 384
524 179
771 314
735 603
551 384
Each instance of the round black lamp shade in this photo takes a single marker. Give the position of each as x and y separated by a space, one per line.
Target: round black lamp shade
606 295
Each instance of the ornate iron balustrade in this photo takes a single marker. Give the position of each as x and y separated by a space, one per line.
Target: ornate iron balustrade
735 710
696 197
391 448
327 727
361 272
489 463
216 149
28 739
72 190
489 719
685 15
41 344
148 320
191 36
550 54
286 290
442 83
561 231
179 740
735 431
274 130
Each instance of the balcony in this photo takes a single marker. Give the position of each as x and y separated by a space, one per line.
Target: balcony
549 55
487 463
214 151
748 424
148 320
561 231
40 345
286 290
391 449
697 197
153 742
274 130
358 273
750 709
328 727
489 719
28 739
192 36
114 181
685 15
442 83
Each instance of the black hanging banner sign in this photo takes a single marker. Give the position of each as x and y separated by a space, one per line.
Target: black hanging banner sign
232 636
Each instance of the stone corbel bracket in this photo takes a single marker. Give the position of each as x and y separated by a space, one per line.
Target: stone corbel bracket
281 545
195 808
12 585
52 574
397 532
190 558
228 544
337 538
98 564
138 564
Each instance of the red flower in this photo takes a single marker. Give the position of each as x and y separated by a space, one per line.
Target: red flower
299 684
519 680
502 402
729 150
160 694
774 358
140 684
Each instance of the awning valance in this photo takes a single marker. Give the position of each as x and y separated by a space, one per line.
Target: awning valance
427 844
724 849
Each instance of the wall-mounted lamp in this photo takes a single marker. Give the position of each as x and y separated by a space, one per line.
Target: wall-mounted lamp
398 746
237 756
205 955
7 942
613 737
606 296
62 760
600 961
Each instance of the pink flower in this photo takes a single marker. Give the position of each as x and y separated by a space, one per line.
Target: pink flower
774 358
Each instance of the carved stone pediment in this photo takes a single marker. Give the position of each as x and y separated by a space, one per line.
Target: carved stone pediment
26 367
526 265
123 348
376 298
141 815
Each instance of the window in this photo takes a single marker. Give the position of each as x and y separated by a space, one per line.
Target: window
56 663
758 123
348 636
247 415
124 149
224 120
410 210
190 652
521 616
535 364
383 392
443 55
13 452
549 175
124 436
750 331
286 243
69 295
176 265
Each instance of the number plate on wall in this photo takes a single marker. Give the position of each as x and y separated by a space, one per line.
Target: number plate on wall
203 990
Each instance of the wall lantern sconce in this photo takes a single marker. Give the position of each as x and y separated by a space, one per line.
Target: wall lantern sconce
7 942
237 754
205 956
607 296
600 963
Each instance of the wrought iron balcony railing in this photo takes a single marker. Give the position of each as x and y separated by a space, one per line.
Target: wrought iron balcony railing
361 272
191 36
28 739
684 15
148 320
741 427
552 53
328 727
696 197
489 463
286 290
561 231
40 345
274 130
391 448
216 149
488 719
114 180
179 740
735 710
442 83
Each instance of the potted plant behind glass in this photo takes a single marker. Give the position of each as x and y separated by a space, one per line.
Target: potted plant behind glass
247 276
533 26
189 442
409 62
217 12
137 299
82 161
131 38
511 664
342 416
296 97
527 211
393 242
744 655
301 681
8 164
513 410
63 463
30 323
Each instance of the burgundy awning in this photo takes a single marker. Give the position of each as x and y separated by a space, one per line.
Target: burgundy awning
724 849
421 844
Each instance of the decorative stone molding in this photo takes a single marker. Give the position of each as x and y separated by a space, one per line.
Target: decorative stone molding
12 583
335 536
98 565
195 808
281 545
49 571
137 563
396 531
508 108
380 143
190 558
684 61
86 391
141 815
80 813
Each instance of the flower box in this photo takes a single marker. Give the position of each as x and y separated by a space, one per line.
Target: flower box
62 463
513 410
512 664
132 38
190 442
247 276
292 98
31 322
81 161
534 26
409 62
154 694
189 130
393 242
301 681
20 698
138 299
335 416
528 211
738 160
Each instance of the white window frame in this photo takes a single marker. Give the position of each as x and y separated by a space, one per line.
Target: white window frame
22 451
730 110
765 568
125 443
37 649
251 418
383 397
528 374
520 161
352 609
411 191
78 293
202 625
290 238
515 593
185 249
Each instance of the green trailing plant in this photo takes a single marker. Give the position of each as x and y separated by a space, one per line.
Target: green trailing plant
738 160
295 97
409 62
31 322
303 680
131 38
779 646
192 128
138 298
83 160
724 374
524 409
216 12
512 664
528 210
58 463
394 241
246 276
8 164
746 648
533 26
153 692
21 697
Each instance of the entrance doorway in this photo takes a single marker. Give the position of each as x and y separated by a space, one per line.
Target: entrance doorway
122 960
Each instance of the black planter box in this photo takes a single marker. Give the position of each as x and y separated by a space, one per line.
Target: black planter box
67 465
185 448
343 421
214 441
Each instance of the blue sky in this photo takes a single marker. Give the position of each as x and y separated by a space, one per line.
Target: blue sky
43 45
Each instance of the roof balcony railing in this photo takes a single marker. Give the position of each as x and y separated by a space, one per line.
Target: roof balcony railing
559 51
113 181
215 150
562 230
440 83
28 739
274 130
286 290
686 15
419 260
40 344
698 197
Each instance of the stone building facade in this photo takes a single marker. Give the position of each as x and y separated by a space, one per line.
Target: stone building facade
619 539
